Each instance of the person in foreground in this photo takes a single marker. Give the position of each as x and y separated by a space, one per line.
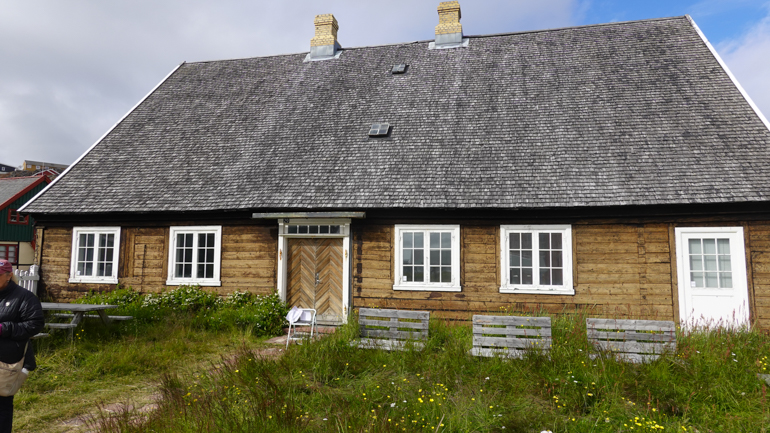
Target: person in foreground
21 317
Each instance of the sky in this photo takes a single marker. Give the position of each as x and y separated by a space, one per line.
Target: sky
69 70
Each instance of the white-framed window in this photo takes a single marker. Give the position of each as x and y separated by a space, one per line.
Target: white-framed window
427 258
536 259
195 255
95 255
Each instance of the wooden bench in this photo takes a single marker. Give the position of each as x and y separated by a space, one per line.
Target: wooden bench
632 340
392 329
510 336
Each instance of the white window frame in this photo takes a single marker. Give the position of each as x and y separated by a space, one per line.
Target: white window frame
195 230
566 288
453 285
107 279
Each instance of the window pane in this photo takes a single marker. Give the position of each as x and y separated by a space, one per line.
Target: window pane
515 258
526 276
709 246
435 257
419 256
556 241
694 246
710 262
446 257
334 229
545 259
323 229
515 241
515 276
446 274
545 241
557 277
419 273
556 259
419 240
696 279
435 274
292 229
446 240
526 258
545 277
723 246
302 229
435 240
726 280
711 280
89 268
188 255
210 255
526 241
314 229
90 240
408 240
201 271
408 257
696 263
724 263
210 270
408 273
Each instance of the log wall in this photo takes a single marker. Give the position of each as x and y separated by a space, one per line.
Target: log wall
619 269
248 261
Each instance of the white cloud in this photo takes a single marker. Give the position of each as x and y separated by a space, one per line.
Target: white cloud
748 58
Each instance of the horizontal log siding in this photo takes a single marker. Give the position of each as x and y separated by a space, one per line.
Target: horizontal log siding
621 271
248 261
759 244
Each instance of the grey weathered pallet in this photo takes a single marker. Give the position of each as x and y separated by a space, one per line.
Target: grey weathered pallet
391 330
632 340
92 316
518 335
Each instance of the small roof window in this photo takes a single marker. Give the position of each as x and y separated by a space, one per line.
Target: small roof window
379 129
398 69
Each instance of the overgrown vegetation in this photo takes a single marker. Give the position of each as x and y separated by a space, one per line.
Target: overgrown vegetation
709 385
228 384
261 315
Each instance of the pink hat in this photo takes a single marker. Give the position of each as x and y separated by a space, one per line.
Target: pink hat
5 267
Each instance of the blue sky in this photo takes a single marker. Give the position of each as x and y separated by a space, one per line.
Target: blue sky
71 69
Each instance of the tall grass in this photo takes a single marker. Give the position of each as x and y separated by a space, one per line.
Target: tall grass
709 385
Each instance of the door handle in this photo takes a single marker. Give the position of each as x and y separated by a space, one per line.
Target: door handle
317 278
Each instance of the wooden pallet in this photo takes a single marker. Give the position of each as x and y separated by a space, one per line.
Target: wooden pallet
510 336
632 340
392 329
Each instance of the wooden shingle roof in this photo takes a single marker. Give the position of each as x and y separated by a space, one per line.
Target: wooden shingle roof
635 113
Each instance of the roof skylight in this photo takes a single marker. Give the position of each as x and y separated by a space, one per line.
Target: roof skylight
398 69
379 129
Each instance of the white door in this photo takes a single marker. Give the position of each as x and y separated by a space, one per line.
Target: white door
713 287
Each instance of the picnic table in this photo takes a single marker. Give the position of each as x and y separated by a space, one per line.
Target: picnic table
78 312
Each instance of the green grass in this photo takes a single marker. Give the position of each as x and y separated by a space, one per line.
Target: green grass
709 385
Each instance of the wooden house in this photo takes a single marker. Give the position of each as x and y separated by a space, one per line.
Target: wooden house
618 168
17 235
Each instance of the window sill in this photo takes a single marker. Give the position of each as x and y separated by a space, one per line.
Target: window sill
208 283
536 291
104 280
428 288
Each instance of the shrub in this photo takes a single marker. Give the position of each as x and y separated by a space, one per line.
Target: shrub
263 315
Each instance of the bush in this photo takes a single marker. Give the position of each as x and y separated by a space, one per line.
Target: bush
263 315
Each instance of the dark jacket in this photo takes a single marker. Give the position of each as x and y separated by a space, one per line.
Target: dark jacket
22 317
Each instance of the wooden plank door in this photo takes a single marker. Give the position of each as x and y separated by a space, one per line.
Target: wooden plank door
314 276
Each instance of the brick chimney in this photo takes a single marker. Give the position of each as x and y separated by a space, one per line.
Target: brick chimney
449 30
324 44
